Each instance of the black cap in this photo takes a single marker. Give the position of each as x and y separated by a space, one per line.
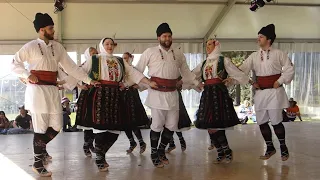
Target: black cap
163 28
42 20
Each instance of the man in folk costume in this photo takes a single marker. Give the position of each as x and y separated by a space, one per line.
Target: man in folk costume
165 66
44 55
273 68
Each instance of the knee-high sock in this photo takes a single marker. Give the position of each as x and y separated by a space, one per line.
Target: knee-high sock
281 134
166 136
38 146
48 136
180 136
223 141
214 140
138 134
99 148
154 141
110 138
88 139
267 135
130 137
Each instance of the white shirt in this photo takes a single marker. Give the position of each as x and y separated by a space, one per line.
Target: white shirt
168 65
210 70
40 56
277 63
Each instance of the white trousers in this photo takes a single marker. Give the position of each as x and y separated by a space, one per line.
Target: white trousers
41 122
274 115
164 118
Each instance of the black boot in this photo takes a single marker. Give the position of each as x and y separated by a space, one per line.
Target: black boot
172 146
133 143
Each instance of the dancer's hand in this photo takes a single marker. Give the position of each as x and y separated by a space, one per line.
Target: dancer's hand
83 87
153 84
200 86
276 85
228 81
61 82
32 78
95 83
122 86
135 86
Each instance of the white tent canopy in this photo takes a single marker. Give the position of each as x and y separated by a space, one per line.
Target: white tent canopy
192 21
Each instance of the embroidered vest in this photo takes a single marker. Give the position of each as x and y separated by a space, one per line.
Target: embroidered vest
221 71
95 72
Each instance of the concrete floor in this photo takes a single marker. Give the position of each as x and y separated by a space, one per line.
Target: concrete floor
69 162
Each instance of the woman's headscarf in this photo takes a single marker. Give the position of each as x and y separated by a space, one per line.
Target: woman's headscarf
87 53
130 57
216 52
101 48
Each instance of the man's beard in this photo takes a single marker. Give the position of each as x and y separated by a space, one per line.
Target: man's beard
48 36
166 44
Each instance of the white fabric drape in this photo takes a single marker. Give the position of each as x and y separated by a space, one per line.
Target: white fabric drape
305 87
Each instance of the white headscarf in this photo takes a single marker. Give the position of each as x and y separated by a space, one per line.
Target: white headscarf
87 53
102 50
216 52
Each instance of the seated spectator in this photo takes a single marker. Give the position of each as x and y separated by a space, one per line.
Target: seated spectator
246 112
23 120
4 123
293 111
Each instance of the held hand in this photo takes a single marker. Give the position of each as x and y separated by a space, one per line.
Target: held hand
32 78
153 84
95 83
227 81
83 87
23 80
61 82
122 86
135 86
61 87
200 86
179 84
276 85
256 85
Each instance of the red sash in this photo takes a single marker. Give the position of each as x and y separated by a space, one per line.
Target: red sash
266 82
45 77
213 81
106 83
165 85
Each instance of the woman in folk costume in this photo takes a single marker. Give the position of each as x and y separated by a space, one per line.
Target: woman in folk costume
183 125
216 111
102 108
135 108
88 133
273 69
